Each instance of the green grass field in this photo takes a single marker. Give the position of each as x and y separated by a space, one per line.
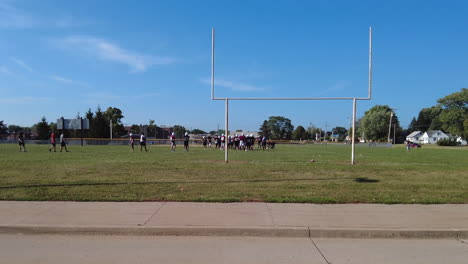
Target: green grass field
113 173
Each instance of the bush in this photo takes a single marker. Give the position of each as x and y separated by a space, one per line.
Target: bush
446 142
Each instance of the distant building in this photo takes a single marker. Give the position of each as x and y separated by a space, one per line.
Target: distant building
432 136
461 141
415 136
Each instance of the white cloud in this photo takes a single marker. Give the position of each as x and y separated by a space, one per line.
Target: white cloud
22 64
69 81
108 51
235 86
11 17
25 100
14 18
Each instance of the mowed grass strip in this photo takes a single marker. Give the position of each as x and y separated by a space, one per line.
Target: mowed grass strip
113 173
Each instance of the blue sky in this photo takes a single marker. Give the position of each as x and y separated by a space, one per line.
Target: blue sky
152 59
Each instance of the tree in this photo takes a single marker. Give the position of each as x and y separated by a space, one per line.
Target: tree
425 118
299 133
3 128
135 129
277 127
413 125
115 115
15 129
313 132
100 125
152 128
264 130
341 132
89 115
198 131
374 124
454 112
179 131
42 129
465 129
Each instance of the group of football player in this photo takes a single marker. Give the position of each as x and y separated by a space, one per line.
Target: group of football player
236 142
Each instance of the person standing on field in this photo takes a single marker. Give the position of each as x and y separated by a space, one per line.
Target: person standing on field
143 142
132 142
21 142
63 143
223 141
173 142
204 141
52 141
186 141
209 141
408 145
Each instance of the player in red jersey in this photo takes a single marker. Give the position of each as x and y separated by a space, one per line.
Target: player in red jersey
52 142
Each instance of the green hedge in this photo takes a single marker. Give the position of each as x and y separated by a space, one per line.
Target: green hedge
446 142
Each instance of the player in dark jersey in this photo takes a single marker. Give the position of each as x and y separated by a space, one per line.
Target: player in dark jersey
186 141
21 142
143 142
173 142
209 141
218 142
204 141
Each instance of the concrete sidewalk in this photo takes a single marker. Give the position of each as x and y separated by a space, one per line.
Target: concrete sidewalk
235 219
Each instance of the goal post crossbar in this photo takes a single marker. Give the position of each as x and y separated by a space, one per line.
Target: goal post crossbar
227 99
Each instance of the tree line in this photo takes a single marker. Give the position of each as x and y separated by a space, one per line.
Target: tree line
450 114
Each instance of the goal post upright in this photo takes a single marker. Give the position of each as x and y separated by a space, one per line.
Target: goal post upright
226 99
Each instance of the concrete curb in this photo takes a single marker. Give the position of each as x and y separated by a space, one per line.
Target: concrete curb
234 231
159 231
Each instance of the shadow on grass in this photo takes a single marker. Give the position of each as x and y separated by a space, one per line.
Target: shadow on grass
164 182
365 180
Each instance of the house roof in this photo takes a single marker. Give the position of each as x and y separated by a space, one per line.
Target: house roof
431 133
414 133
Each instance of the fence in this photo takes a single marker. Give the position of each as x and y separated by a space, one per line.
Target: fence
152 141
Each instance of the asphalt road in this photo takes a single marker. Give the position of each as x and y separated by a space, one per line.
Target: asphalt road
170 249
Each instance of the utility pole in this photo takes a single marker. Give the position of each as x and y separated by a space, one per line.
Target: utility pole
110 125
390 124
394 132
390 127
326 129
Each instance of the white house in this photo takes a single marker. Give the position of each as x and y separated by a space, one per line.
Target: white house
432 136
461 141
415 136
